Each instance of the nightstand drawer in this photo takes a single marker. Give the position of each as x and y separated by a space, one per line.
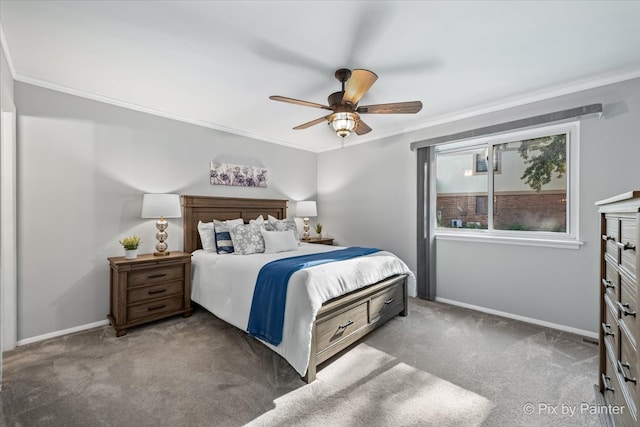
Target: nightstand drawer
389 303
156 275
158 308
143 293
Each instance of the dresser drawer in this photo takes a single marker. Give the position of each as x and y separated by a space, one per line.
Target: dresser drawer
611 236
611 282
628 305
627 243
611 331
158 308
611 386
628 367
156 275
144 293
339 327
388 303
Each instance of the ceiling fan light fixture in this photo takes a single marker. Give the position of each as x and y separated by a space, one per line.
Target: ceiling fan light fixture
343 123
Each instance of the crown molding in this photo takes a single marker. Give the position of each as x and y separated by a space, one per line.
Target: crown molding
141 108
7 54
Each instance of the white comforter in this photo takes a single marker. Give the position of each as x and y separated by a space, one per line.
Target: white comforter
223 284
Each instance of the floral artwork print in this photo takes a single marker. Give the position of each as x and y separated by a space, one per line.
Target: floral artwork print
241 176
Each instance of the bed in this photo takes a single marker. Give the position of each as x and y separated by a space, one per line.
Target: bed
368 301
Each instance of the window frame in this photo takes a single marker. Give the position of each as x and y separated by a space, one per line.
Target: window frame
569 239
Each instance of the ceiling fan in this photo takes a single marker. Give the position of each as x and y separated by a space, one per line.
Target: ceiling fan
345 116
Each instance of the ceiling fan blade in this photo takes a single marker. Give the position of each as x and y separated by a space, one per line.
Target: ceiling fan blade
357 85
311 123
362 128
410 107
299 102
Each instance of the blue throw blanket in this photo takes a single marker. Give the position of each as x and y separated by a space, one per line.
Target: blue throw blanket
266 319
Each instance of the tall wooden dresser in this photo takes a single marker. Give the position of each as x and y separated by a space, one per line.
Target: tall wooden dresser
619 304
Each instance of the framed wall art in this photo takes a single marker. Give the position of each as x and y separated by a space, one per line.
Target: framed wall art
237 175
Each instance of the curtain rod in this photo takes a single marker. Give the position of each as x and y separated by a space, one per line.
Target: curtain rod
571 113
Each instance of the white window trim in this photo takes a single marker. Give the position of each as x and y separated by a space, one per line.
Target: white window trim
568 240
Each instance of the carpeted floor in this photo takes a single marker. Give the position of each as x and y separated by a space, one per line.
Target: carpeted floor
440 366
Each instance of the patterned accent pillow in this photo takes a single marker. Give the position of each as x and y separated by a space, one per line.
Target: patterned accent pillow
275 224
247 239
207 236
224 244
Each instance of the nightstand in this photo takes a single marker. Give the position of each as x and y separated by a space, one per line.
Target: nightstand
320 240
149 288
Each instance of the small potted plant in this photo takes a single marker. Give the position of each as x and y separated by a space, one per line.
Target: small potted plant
319 229
130 245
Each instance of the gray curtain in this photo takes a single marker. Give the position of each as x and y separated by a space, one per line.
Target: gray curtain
426 283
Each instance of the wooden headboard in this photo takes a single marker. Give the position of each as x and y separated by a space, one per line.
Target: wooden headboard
206 209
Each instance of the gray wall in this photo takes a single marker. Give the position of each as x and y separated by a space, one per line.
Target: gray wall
367 195
82 169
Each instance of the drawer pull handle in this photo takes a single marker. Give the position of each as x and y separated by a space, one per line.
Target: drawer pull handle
345 325
621 368
606 238
156 307
607 284
607 329
605 382
389 301
158 291
154 276
626 246
624 308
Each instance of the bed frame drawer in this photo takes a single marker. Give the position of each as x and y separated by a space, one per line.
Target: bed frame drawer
339 327
388 303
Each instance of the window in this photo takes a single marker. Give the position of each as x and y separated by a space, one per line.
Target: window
531 175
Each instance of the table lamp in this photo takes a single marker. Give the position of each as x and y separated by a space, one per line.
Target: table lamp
306 209
161 206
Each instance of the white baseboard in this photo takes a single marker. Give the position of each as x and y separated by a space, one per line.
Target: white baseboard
588 334
63 332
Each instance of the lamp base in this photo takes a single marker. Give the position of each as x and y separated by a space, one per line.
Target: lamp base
165 253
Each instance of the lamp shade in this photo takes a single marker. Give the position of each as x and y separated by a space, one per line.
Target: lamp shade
161 205
306 208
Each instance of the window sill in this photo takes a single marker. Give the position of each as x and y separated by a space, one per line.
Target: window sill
510 240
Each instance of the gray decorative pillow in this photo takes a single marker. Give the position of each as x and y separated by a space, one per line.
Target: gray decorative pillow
247 239
275 224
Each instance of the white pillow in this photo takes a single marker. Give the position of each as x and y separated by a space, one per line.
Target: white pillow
279 241
207 236
258 221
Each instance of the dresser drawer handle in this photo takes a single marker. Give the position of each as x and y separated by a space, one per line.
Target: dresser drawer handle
389 301
345 325
606 237
156 307
157 291
624 308
626 246
607 284
154 276
621 368
607 329
605 382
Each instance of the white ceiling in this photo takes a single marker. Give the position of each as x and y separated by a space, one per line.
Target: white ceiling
215 63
